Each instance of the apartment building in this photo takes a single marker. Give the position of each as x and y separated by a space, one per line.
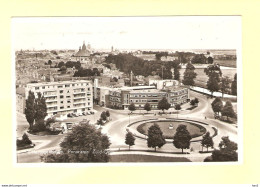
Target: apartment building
64 97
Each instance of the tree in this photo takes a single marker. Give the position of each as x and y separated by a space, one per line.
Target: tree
228 110
63 69
177 107
210 60
30 109
103 116
217 105
155 137
176 73
147 107
115 79
129 139
131 107
227 151
83 144
108 113
100 122
207 141
26 139
182 137
196 100
60 64
199 59
189 75
41 108
234 86
213 83
225 85
192 102
163 104
49 121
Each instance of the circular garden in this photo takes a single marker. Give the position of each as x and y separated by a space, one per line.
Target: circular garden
194 129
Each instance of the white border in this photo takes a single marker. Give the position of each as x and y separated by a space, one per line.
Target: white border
151 164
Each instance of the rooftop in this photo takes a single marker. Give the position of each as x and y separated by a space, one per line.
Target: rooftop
20 90
58 83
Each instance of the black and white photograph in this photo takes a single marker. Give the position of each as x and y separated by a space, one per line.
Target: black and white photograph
152 89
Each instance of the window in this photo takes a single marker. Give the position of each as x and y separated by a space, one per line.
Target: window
61 91
43 87
68 91
61 96
62 107
60 86
67 85
67 96
61 102
68 101
73 84
36 88
68 106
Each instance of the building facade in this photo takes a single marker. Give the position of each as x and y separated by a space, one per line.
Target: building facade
64 97
122 97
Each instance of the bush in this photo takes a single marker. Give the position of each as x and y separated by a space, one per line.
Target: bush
140 128
24 141
39 126
208 159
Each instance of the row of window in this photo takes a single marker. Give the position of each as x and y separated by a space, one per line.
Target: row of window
149 95
61 86
143 101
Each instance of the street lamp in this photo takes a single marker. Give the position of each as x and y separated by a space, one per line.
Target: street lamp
129 117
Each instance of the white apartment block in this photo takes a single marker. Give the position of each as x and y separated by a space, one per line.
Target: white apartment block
64 97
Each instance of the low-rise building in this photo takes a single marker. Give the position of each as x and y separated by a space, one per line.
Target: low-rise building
122 97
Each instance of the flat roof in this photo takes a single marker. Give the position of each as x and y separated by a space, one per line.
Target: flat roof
148 91
58 83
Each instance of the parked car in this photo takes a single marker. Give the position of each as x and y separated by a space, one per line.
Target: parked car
91 112
70 115
75 114
84 113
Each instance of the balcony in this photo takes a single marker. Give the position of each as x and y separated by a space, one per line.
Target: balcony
51 99
79 101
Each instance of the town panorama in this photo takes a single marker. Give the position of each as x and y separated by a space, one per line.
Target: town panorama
116 105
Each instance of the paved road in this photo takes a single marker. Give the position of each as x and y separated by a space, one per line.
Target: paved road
116 130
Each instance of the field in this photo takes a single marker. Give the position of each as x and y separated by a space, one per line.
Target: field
227 63
145 158
202 78
169 133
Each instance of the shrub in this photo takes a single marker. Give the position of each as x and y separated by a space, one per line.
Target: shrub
24 141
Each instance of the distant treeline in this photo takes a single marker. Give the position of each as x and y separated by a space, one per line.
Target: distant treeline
127 63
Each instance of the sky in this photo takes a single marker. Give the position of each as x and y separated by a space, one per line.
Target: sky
172 32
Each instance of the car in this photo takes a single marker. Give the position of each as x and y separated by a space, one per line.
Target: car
70 115
84 113
91 112
75 114
88 113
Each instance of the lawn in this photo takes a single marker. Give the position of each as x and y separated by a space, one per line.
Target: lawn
202 78
227 63
194 129
145 158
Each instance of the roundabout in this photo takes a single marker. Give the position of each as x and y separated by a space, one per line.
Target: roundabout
169 125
